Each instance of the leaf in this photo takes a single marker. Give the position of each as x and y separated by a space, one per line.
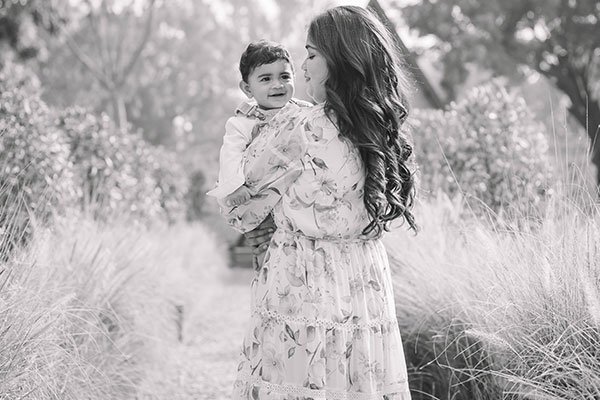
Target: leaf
319 163
255 393
290 333
291 352
310 333
375 285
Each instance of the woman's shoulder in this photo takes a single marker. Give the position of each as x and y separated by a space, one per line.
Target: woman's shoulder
318 125
312 122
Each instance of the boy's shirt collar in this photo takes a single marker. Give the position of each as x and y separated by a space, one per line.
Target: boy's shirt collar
250 109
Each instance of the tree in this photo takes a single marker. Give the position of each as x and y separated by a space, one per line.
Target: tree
115 34
184 84
557 38
21 21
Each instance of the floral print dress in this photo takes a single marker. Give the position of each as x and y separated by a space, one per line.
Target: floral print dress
323 324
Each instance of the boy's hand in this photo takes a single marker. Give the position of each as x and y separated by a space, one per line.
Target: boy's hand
238 197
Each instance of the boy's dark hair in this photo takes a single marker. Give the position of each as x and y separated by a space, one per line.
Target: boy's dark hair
259 53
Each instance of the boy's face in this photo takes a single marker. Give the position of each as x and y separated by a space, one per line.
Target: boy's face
272 85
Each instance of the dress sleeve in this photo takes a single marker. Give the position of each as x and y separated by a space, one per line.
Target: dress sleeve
273 161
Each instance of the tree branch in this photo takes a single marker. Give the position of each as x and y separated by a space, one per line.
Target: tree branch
97 34
111 68
87 62
119 49
143 41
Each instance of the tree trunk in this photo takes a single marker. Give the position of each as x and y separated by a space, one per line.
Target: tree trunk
588 115
573 81
119 110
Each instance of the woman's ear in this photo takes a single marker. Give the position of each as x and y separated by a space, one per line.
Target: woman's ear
246 88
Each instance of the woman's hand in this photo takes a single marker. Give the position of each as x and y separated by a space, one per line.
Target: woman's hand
260 236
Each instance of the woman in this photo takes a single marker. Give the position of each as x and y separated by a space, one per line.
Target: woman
334 176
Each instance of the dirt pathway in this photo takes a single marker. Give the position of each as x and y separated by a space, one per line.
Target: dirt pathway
212 339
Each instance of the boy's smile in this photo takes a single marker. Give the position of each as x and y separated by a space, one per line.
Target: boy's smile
271 85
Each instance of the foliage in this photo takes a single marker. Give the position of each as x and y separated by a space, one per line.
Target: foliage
23 21
87 312
49 164
185 82
515 311
486 146
557 38
444 362
117 172
36 174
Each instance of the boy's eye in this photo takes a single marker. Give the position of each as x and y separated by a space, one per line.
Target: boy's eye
311 56
264 79
286 76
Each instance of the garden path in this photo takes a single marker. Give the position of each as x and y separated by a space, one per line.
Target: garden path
210 349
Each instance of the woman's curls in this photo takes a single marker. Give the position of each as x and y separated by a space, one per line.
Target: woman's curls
365 95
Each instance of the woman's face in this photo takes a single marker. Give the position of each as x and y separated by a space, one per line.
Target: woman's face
315 72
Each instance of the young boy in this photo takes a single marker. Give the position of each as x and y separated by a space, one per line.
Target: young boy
268 79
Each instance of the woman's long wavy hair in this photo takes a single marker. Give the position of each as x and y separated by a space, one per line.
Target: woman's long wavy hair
365 91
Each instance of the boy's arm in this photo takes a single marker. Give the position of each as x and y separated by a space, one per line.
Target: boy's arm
231 167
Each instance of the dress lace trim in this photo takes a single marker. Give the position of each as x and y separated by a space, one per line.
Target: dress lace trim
247 379
345 326
333 239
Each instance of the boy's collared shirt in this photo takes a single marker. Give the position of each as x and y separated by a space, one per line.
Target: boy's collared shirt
240 130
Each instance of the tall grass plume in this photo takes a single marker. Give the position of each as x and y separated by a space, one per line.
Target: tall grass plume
491 312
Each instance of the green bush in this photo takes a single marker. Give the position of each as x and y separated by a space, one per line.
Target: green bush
117 172
487 146
36 176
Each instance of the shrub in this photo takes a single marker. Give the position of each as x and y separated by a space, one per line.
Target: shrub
500 314
118 173
171 181
88 311
486 146
36 175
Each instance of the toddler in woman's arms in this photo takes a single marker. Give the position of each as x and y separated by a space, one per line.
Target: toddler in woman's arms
268 81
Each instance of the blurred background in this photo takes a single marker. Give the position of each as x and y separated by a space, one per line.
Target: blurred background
116 276
168 69
165 69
